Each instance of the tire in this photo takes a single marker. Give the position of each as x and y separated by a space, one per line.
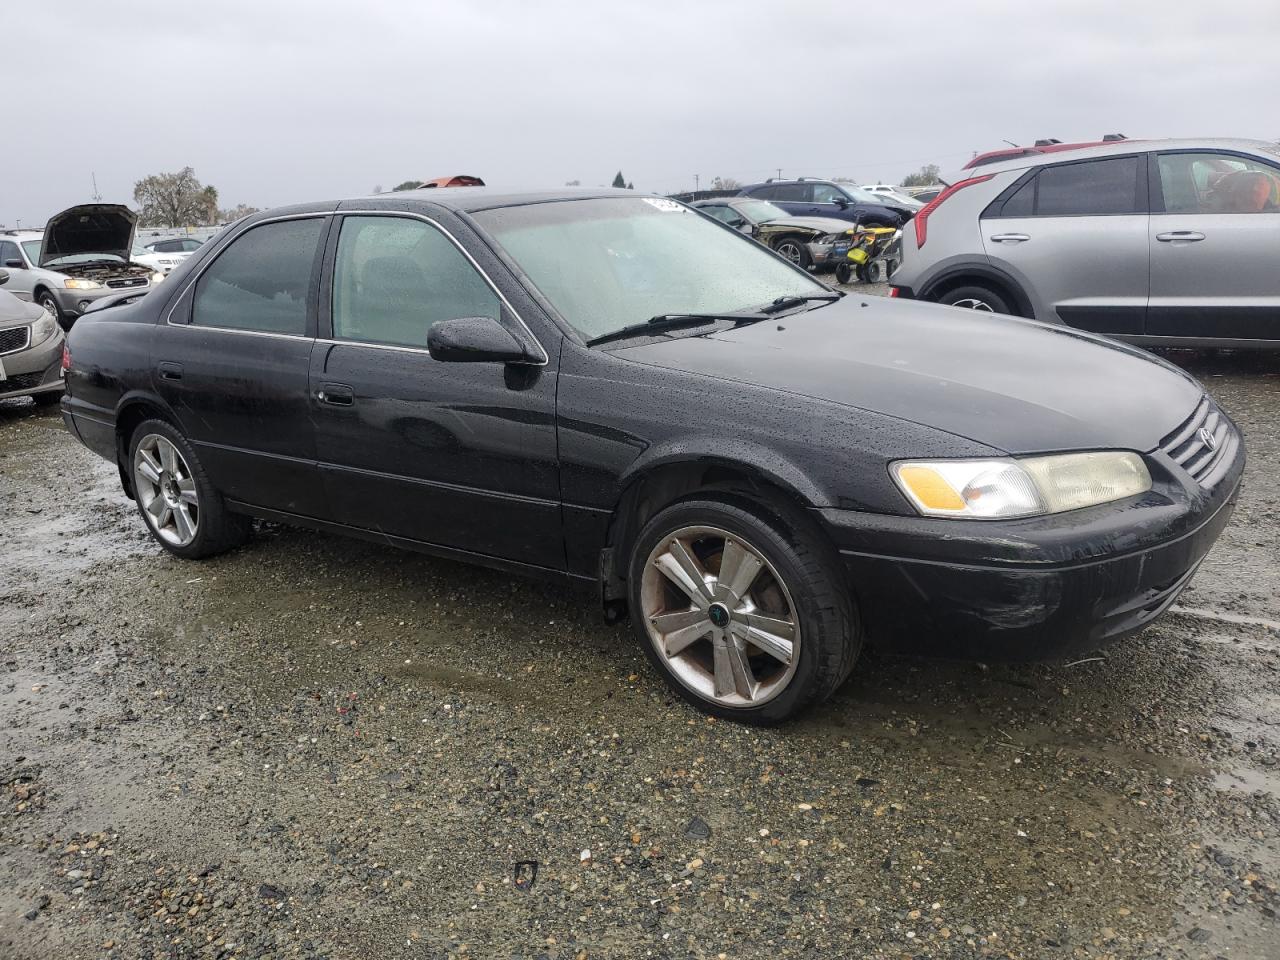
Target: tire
794 250
976 297
47 398
50 303
799 589
874 271
183 490
844 272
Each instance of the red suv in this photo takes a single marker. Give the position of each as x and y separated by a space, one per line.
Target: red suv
1041 146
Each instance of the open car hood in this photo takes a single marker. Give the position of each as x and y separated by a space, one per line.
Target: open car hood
106 228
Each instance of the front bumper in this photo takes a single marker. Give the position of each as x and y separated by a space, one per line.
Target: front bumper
1029 589
75 302
33 370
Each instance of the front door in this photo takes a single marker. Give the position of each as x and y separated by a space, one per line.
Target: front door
232 362
21 281
1215 245
1076 234
460 455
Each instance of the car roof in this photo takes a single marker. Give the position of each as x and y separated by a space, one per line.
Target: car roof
1119 148
21 234
470 199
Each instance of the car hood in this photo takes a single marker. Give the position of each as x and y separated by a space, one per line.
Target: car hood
15 311
1015 385
89 228
822 224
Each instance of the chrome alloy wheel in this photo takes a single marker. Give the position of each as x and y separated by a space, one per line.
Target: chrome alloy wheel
720 617
971 303
790 250
166 490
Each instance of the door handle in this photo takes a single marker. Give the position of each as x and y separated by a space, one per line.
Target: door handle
1173 235
1009 237
336 394
170 370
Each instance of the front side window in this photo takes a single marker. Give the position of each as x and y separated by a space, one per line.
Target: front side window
1217 183
260 283
395 276
826 193
1093 188
8 253
722 213
609 263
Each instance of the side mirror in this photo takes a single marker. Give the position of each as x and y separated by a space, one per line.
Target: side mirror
738 224
841 202
474 340
4 277
15 264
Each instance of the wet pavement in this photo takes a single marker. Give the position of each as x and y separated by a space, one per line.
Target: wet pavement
317 747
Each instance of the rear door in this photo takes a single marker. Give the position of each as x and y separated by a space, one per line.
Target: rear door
461 455
794 198
1215 246
232 361
1074 235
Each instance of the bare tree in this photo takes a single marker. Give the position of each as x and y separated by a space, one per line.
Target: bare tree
175 200
924 177
407 185
725 183
236 212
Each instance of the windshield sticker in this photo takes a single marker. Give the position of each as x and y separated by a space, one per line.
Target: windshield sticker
663 204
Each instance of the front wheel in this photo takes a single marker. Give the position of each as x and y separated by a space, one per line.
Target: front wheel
743 609
183 511
795 251
50 303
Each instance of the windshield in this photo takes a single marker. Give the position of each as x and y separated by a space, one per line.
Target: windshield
32 250
858 195
760 211
609 263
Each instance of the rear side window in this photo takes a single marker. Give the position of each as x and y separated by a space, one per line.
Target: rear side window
791 192
395 276
1023 201
762 193
260 283
1093 188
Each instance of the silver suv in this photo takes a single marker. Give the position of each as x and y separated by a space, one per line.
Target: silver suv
1160 242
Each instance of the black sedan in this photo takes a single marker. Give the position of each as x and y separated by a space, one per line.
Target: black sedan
613 390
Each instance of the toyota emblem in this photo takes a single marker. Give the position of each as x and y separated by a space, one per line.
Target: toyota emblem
1207 438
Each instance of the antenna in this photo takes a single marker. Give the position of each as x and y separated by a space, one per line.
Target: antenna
97 197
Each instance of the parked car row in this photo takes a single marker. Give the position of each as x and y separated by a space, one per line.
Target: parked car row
84 253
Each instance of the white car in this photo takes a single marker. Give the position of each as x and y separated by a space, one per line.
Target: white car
896 194
165 254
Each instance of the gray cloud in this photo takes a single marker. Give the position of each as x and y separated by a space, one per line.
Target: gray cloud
276 102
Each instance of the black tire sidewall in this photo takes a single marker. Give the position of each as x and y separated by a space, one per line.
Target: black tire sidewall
218 529
821 626
973 291
50 303
805 260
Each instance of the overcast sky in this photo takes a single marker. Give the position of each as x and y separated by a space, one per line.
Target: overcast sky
276 101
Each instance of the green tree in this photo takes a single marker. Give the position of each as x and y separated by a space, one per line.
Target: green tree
619 181
407 185
175 200
924 177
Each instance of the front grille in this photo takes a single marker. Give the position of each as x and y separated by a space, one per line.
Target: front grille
127 282
14 339
1204 444
22 381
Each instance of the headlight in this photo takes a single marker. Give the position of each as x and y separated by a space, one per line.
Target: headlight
156 277
830 237
43 328
1004 488
74 283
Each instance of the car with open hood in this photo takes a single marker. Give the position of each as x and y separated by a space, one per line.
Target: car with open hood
612 390
805 241
30 349
84 253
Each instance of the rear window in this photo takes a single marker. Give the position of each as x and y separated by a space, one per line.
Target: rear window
1093 188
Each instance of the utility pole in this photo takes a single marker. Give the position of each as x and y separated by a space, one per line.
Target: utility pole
97 197
779 173
695 183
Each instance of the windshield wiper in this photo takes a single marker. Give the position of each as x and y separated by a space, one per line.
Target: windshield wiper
786 303
667 321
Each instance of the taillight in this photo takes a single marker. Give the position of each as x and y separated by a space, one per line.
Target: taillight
66 357
893 292
922 218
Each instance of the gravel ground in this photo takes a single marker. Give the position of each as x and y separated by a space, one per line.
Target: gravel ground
320 748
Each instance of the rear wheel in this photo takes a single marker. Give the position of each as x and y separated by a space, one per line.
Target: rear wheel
976 297
745 611
794 250
181 508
